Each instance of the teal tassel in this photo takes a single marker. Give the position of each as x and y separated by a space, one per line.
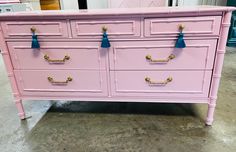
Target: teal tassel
35 42
105 41
180 41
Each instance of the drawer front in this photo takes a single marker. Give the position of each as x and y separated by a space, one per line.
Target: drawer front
58 55
193 26
22 29
152 55
115 28
83 83
161 83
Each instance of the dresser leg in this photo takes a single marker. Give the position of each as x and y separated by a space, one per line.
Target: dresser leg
210 113
20 108
218 66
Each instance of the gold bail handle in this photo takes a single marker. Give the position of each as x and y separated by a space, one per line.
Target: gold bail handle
48 59
69 79
170 57
151 82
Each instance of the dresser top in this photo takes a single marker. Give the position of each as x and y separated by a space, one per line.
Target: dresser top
196 10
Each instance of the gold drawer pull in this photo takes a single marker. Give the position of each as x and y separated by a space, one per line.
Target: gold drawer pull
69 79
104 29
47 58
148 80
181 27
33 29
149 57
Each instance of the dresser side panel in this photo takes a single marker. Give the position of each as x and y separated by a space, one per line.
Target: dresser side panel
11 76
8 64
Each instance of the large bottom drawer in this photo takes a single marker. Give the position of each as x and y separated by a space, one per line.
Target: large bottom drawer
161 83
61 82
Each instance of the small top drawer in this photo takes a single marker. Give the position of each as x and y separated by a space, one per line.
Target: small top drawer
22 29
115 28
193 26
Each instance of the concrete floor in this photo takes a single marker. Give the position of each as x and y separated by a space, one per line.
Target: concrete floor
115 127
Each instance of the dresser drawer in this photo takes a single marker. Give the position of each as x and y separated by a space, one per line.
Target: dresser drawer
161 83
156 55
115 28
57 55
61 82
193 26
22 29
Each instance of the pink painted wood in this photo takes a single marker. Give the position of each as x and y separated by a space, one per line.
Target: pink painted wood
84 83
183 84
218 67
198 55
115 28
193 26
82 55
55 29
117 73
11 76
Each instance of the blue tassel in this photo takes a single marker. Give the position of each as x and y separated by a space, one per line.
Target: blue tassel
180 41
105 41
35 42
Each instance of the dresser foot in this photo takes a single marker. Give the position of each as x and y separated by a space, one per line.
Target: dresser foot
208 122
20 108
210 114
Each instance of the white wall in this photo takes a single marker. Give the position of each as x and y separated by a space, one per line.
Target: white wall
69 4
97 4
92 4
191 2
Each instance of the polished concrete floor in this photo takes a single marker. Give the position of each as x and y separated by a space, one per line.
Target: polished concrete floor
132 127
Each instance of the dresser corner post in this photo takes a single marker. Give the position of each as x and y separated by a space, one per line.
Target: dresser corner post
19 106
11 76
221 49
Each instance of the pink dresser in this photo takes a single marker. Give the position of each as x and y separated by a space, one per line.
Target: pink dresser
142 63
